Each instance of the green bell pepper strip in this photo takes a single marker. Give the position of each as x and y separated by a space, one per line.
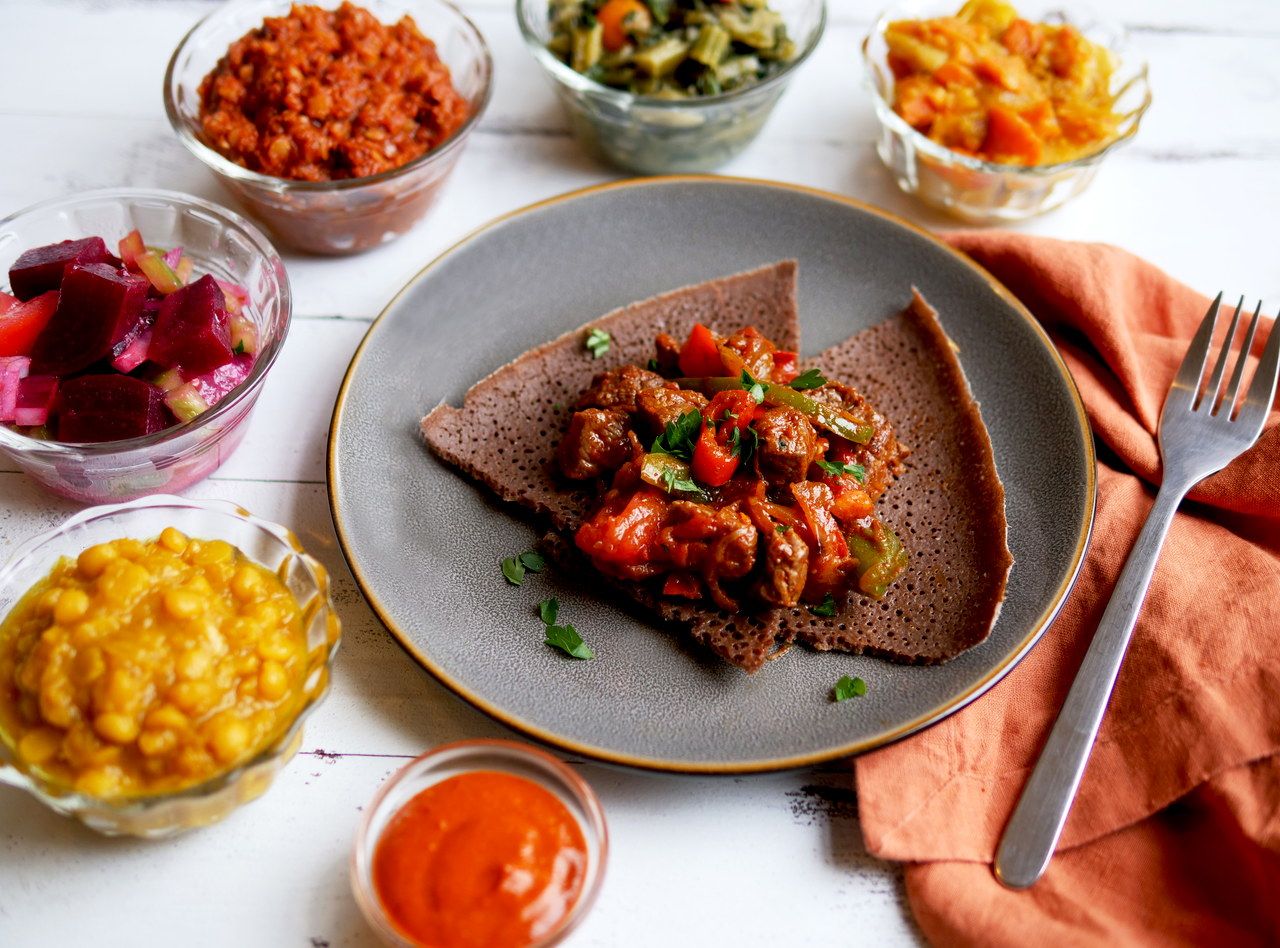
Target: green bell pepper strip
881 558
671 474
824 416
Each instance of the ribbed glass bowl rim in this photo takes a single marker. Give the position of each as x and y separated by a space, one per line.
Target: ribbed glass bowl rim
230 169
261 363
457 754
575 80
1130 120
72 801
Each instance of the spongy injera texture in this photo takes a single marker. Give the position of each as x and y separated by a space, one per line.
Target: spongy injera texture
947 506
527 403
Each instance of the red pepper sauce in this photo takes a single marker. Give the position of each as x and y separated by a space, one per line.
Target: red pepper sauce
480 860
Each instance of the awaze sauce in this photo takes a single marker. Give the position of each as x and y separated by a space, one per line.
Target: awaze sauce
480 860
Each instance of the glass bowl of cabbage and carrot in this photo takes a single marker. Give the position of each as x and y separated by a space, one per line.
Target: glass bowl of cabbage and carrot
994 113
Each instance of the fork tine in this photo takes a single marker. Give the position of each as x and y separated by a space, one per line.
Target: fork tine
1187 381
1229 400
1215 380
1262 391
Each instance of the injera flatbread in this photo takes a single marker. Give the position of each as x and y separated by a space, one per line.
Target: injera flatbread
947 507
528 402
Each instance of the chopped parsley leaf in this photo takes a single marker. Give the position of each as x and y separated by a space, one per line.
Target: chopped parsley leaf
514 567
847 688
653 364
566 638
825 608
810 378
680 435
598 342
782 528
674 482
753 388
548 609
836 468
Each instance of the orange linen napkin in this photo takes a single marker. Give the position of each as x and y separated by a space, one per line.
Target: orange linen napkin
1175 834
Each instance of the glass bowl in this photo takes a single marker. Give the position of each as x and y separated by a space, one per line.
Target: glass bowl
220 242
268 544
344 216
651 135
450 760
983 192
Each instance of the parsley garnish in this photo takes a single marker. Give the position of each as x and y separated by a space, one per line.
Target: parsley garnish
680 435
653 364
673 482
754 389
836 468
239 348
598 342
810 378
513 567
825 608
847 688
565 638
782 528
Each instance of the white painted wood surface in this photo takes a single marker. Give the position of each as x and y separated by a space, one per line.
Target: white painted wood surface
770 860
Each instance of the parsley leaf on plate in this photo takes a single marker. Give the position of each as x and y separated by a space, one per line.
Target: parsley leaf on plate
514 567
565 638
548 609
847 688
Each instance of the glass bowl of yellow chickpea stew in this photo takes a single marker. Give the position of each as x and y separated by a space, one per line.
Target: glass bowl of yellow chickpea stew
157 660
669 86
995 112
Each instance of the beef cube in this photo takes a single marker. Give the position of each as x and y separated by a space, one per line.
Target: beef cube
658 407
618 388
787 444
595 444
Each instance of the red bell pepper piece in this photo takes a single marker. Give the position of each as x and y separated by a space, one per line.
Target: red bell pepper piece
717 453
786 366
700 355
21 323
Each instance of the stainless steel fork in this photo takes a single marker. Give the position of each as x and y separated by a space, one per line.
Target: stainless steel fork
1199 433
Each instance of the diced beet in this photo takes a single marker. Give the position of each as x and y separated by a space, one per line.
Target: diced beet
133 354
95 303
22 323
41 269
128 332
95 408
191 330
35 399
213 386
13 369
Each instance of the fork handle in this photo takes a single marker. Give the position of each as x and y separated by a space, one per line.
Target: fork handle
1037 821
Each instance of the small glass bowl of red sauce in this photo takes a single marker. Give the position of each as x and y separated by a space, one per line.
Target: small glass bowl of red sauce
480 844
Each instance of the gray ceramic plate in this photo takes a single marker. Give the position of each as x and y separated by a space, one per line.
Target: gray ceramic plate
425 544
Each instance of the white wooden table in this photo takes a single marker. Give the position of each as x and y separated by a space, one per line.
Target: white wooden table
768 860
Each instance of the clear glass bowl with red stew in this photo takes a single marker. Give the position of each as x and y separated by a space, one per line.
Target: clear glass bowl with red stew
272 546
218 242
348 214
491 804
986 192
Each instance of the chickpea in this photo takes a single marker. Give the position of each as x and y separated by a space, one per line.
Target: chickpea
116 727
167 716
247 584
173 540
194 664
40 745
157 743
273 681
93 561
184 603
229 739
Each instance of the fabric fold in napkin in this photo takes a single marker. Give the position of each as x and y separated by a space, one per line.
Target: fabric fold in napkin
1175 834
